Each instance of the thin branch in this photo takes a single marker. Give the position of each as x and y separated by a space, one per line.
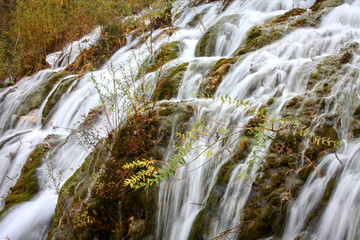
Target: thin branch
223 234
199 20
320 175
338 158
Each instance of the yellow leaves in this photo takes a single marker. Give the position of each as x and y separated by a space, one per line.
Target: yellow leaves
180 135
138 179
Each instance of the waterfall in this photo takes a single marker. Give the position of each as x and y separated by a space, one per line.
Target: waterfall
277 72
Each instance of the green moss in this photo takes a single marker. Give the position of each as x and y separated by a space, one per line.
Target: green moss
259 37
202 45
328 190
116 211
322 4
200 228
289 15
270 101
215 76
254 32
207 43
325 69
224 174
27 184
34 99
164 54
168 84
56 95
276 28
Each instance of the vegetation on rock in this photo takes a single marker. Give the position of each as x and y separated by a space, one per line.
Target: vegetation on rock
169 82
207 44
115 211
27 185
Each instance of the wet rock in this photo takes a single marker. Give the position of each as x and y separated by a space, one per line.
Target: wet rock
31 118
207 44
34 99
164 54
168 84
53 99
27 185
215 76
276 28
97 202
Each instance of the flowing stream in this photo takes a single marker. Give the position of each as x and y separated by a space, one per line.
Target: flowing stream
279 71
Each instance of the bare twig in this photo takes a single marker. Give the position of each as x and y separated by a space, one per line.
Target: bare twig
223 234
338 158
320 175
198 16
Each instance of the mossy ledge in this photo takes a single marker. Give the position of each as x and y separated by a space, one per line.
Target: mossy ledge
114 211
207 43
278 27
168 84
27 185
164 54
34 99
56 95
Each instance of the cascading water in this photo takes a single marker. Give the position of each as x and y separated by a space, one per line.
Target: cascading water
279 71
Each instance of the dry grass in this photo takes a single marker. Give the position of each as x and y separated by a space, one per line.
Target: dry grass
34 28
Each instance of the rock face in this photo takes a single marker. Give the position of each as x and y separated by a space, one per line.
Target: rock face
27 186
207 44
94 202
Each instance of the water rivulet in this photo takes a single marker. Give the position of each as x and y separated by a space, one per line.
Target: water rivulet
66 135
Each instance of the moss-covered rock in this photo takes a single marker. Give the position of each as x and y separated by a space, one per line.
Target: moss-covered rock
169 82
34 99
325 69
265 212
276 28
88 60
56 95
200 229
213 79
27 185
164 54
207 44
94 203
325 4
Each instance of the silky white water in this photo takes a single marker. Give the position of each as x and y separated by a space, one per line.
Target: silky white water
280 71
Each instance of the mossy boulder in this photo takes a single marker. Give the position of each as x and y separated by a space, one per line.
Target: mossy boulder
56 95
161 56
27 184
34 99
215 76
277 27
168 84
94 203
207 43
